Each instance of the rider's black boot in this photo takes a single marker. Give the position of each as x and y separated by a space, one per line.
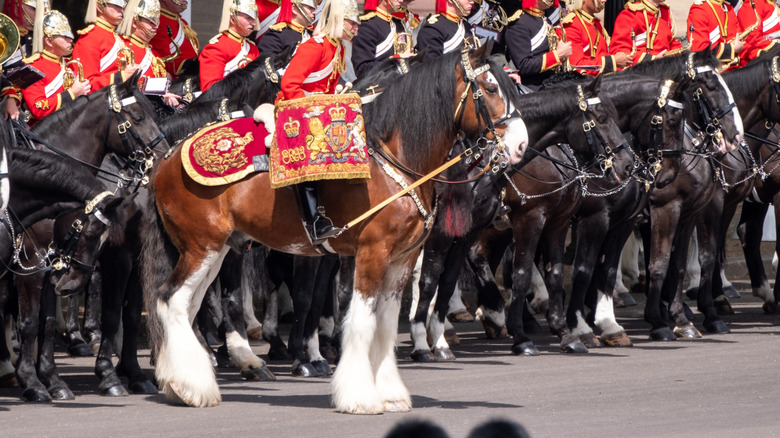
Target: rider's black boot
318 226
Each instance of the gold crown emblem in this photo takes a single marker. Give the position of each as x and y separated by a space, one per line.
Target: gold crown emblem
292 128
338 114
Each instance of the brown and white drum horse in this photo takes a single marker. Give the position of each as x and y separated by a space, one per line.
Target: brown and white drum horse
455 93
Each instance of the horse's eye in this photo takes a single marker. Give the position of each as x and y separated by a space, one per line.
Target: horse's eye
491 88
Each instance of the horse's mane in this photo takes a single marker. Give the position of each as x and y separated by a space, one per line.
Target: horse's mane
238 85
674 67
51 172
58 122
550 102
384 72
419 106
751 78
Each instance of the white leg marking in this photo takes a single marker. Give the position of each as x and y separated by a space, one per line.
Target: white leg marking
436 330
418 334
605 315
5 185
629 260
541 295
240 352
692 268
312 347
271 317
183 369
389 385
456 302
496 317
582 327
249 306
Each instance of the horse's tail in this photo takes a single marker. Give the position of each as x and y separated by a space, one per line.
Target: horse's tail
159 258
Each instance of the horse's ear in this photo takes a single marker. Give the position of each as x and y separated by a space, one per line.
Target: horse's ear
483 50
594 87
132 83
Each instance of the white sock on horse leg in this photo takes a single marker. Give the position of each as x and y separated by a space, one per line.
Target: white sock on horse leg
605 315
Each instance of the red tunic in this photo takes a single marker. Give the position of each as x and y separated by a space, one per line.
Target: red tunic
713 24
762 38
589 43
267 15
183 35
315 68
653 31
97 49
225 53
48 94
150 65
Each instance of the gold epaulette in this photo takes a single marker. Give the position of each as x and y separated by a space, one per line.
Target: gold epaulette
699 2
34 57
191 35
158 67
278 26
635 7
215 40
86 30
515 16
568 18
367 16
432 18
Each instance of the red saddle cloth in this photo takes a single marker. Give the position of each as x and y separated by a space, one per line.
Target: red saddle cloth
319 137
225 152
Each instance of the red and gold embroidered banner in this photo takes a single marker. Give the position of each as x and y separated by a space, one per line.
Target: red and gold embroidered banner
225 152
319 137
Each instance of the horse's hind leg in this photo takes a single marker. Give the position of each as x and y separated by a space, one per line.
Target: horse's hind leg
92 306
47 369
253 277
78 347
326 273
431 267
137 381
751 230
184 370
232 327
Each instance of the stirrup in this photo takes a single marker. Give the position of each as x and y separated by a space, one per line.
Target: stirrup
326 231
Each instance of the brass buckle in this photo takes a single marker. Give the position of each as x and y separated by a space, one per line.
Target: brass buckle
123 127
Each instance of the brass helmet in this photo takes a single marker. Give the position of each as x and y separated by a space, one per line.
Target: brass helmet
56 24
573 5
135 10
351 11
92 8
231 8
149 9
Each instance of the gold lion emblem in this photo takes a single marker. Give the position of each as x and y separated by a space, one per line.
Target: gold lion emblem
221 150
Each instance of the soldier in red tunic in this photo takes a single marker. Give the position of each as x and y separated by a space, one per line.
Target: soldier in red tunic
59 85
644 29
230 50
182 36
713 23
138 27
316 68
267 15
22 12
589 40
98 46
291 29
759 17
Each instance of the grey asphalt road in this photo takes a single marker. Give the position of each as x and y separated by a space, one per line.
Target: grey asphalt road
718 386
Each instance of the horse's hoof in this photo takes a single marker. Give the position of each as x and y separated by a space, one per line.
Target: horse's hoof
223 357
451 336
396 406
662 334
304 370
461 315
36 395
722 306
443 355
590 340
255 333
692 293
94 344
9 381
280 353
142 387
113 391
731 292
322 368
80 349
572 344
717 326
687 331
771 308
175 391
425 356
62 394
624 299
619 339
493 331
261 373
525 348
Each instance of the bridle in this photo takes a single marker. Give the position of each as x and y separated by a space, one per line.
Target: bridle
711 118
139 153
654 155
603 153
64 254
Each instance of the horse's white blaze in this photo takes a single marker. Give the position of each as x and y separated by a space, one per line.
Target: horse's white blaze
353 386
582 327
183 369
515 139
240 352
496 317
5 185
436 330
605 315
